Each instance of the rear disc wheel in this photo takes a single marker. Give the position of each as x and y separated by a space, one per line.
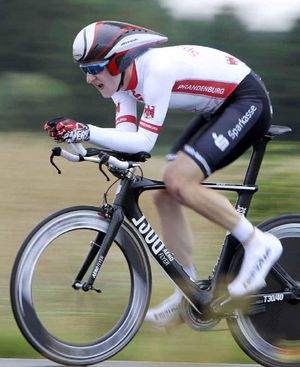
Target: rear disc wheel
272 337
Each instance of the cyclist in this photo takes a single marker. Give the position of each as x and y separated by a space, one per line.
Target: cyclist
232 110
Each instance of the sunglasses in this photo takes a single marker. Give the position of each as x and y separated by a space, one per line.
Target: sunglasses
95 68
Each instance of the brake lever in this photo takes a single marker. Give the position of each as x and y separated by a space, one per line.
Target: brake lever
55 153
103 160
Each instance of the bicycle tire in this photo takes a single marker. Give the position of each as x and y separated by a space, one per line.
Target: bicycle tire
36 285
272 338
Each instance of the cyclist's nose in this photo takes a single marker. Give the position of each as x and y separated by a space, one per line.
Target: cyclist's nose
90 78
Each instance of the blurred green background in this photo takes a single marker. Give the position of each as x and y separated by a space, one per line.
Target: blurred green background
38 81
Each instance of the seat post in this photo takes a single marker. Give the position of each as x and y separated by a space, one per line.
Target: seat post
258 153
256 159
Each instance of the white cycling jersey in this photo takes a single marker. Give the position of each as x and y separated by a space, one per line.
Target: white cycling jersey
194 78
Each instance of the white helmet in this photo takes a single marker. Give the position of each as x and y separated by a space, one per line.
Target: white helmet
120 43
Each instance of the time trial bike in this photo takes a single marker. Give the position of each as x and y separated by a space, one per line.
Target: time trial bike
79 305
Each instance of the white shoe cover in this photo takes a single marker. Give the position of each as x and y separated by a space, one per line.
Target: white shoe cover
261 253
167 314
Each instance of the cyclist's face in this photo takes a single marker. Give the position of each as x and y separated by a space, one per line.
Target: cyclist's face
106 83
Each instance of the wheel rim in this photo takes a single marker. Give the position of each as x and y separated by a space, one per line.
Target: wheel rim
115 337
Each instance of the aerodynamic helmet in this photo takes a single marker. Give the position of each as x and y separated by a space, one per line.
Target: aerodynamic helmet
119 43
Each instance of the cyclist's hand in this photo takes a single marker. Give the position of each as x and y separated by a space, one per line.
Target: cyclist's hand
67 130
50 127
72 131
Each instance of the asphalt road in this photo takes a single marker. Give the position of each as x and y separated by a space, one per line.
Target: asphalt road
46 363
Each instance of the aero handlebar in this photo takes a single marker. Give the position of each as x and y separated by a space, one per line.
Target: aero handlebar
92 155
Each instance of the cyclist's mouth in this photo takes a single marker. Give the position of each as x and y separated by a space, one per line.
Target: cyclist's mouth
100 86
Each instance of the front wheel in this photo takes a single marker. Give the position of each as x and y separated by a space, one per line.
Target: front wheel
272 336
70 326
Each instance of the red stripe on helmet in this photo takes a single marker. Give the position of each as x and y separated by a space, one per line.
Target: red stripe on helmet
113 40
97 28
108 46
113 66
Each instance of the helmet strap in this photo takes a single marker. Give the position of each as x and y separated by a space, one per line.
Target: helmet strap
121 81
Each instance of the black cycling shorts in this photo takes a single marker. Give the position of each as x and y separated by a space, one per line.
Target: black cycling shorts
242 119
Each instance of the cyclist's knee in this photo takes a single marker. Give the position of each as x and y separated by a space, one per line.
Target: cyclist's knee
181 175
180 185
175 184
161 197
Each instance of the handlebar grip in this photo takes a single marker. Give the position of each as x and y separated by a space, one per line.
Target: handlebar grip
117 163
69 156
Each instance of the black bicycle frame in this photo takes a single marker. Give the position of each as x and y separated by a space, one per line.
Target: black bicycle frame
126 205
173 269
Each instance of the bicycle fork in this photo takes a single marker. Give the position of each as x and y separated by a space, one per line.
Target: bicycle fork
100 246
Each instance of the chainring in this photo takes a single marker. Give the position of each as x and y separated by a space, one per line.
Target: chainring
194 318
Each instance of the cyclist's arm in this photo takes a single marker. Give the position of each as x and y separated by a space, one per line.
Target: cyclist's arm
126 112
144 139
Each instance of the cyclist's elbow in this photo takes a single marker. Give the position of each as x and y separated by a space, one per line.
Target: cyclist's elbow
148 142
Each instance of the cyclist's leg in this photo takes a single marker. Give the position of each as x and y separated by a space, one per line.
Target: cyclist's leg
223 142
182 178
177 235
175 228
240 121
261 250
206 202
